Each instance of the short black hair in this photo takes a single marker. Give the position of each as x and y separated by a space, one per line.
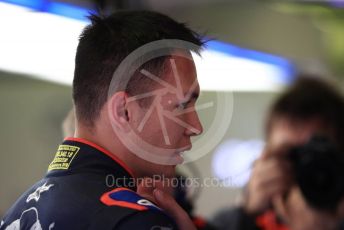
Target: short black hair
105 43
311 98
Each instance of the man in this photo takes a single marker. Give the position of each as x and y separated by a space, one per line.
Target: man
273 199
89 184
179 190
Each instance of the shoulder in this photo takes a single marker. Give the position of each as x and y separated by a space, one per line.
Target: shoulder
126 198
146 220
125 209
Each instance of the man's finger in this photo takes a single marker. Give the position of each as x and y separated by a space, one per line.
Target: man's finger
166 202
145 189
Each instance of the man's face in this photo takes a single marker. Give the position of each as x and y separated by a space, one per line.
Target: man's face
287 132
293 208
165 127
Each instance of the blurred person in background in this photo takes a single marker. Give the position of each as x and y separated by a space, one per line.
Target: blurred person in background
75 193
274 198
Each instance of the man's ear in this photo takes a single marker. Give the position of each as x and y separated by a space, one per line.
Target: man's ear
117 110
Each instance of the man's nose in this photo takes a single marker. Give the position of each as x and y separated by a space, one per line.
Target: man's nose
195 127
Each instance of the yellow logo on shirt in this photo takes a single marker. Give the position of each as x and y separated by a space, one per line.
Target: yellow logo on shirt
64 156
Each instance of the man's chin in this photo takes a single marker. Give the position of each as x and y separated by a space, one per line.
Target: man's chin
175 159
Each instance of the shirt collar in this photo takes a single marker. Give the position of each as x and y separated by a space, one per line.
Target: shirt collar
78 155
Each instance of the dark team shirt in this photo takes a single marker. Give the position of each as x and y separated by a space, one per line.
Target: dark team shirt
86 187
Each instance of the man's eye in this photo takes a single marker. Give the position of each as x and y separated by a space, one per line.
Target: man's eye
183 105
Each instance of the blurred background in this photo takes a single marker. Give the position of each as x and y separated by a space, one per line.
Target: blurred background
258 47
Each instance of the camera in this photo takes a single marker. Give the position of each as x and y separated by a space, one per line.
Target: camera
318 169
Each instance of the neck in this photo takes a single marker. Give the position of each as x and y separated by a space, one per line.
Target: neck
104 137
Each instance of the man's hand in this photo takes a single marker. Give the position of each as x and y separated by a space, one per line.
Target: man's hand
270 178
163 198
167 202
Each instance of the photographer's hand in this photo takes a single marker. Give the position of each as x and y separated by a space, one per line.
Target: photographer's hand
269 178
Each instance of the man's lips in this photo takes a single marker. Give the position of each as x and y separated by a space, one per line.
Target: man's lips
178 156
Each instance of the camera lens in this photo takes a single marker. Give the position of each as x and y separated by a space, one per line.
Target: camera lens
318 170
